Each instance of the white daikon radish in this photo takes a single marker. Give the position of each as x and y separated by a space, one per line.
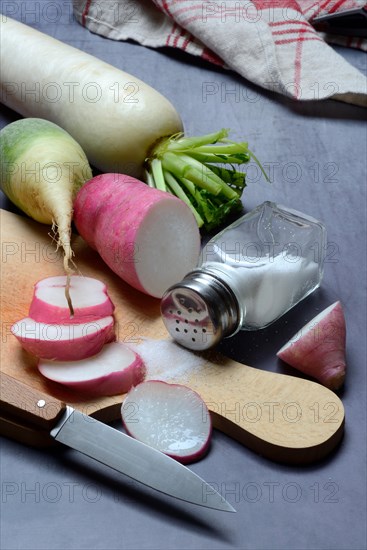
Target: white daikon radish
113 115
114 370
89 297
169 417
122 124
64 342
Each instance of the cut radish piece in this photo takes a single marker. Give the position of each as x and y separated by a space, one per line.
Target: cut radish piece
318 349
64 342
169 417
89 298
113 370
148 237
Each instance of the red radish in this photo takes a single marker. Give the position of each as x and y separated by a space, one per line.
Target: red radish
148 237
318 349
169 417
112 371
89 297
64 342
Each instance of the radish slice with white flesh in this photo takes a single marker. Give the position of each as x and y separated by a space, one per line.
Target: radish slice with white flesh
169 417
114 370
89 298
318 349
64 342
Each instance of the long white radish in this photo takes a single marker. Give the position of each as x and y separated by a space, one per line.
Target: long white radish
64 342
41 169
169 417
113 115
122 124
114 370
147 237
89 298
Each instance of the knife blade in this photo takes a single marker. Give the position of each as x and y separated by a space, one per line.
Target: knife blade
105 444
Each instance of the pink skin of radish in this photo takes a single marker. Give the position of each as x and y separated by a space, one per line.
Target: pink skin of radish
114 370
169 417
64 342
148 237
89 297
318 349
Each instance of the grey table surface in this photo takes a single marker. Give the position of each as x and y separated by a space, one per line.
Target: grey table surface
316 155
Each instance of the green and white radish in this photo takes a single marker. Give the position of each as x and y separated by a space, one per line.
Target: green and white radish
64 342
318 349
41 169
147 237
169 417
89 298
114 370
122 124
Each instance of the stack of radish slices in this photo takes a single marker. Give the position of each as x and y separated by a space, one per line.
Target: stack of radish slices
81 353
78 351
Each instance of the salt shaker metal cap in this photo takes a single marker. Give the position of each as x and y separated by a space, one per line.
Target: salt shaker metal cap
250 274
200 310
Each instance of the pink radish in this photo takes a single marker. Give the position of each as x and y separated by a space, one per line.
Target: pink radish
148 237
169 417
318 349
64 342
89 297
112 371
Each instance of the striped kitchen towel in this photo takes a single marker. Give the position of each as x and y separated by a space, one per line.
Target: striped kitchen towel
272 43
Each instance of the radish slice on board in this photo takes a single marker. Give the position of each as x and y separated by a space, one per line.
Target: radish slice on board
113 370
318 349
89 298
64 342
169 417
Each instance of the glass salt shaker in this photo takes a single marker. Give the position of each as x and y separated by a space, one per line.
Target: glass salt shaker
249 275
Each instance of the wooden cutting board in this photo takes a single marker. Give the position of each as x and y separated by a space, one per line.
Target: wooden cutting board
284 418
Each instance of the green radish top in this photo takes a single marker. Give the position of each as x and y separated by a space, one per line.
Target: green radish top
201 172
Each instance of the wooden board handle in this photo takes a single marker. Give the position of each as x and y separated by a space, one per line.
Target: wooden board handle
27 405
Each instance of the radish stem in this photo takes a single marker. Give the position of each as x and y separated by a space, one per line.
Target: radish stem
200 166
180 193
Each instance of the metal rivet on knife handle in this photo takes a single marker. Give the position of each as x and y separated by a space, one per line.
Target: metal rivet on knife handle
28 404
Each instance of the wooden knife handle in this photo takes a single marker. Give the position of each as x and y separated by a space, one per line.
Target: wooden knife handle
27 405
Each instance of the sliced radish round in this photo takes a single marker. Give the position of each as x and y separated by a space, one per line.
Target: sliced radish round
89 298
169 417
114 370
318 349
64 342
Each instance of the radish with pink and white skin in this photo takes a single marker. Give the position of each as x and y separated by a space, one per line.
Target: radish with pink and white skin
115 370
89 297
81 356
169 417
148 237
64 342
51 332
318 349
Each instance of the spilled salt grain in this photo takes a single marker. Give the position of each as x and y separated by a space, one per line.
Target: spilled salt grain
167 361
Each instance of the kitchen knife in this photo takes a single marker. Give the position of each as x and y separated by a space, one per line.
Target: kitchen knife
351 22
21 403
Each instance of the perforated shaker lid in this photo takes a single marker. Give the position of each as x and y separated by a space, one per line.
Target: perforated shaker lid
199 311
